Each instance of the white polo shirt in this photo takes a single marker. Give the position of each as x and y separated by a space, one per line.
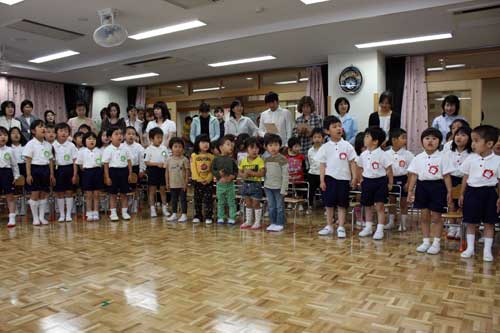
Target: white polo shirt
8 160
313 162
401 160
136 153
336 156
429 167
455 160
167 127
117 157
66 153
155 154
482 171
18 153
40 152
374 163
89 158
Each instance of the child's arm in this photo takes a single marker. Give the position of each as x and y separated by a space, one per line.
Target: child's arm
284 179
167 178
107 180
52 177
15 168
354 173
412 180
390 175
463 186
186 174
75 172
129 164
322 169
447 182
29 178
194 172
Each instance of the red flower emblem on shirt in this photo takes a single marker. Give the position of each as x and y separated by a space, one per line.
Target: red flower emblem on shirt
433 169
487 173
402 163
343 156
375 165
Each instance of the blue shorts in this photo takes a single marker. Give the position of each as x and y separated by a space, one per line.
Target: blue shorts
252 190
119 180
92 179
6 181
455 181
22 169
337 193
135 169
156 176
41 179
374 190
480 205
64 176
401 181
431 194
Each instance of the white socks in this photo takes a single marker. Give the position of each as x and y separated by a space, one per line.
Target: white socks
248 216
34 211
42 208
487 255
258 215
60 207
69 208
12 219
380 227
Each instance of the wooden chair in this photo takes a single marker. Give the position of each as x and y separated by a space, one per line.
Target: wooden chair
455 216
294 201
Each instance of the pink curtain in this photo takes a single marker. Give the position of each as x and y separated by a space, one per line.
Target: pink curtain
44 95
414 109
315 89
140 99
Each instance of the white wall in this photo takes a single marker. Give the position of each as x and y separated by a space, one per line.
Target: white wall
491 101
103 95
372 67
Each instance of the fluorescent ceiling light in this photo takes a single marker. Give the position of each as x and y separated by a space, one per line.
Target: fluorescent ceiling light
286 82
206 89
4 72
460 98
10 2
168 29
84 83
54 56
310 2
405 40
249 78
179 86
133 77
304 79
434 69
242 61
455 66
437 69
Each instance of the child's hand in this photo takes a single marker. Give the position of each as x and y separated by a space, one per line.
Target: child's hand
449 200
108 181
73 180
167 187
29 180
130 179
498 206
461 201
14 182
411 197
389 186
323 186
52 180
405 188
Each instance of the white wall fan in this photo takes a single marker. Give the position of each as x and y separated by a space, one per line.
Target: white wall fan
109 34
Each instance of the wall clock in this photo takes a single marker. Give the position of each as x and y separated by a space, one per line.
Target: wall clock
351 80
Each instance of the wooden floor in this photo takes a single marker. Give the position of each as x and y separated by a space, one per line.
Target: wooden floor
154 276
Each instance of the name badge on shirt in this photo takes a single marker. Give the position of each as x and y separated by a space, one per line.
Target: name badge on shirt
66 157
123 158
375 165
164 153
433 169
98 161
343 156
402 164
46 153
7 157
488 174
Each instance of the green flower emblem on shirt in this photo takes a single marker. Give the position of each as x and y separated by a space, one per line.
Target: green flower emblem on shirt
98 161
46 153
66 157
123 158
7 157
164 153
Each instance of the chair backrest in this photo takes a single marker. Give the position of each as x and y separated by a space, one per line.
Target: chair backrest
20 182
133 178
455 192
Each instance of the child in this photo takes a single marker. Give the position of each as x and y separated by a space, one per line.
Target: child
201 174
50 133
78 140
376 168
117 172
9 172
225 170
428 172
252 170
241 147
401 159
17 143
337 170
313 174
177 172
39 171
275 182
102 140
90 161
296 165
454 126
84 129
136 153
460 149
479 197
66 171
155 159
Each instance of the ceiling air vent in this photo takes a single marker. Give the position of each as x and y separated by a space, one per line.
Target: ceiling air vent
45 30
153 62
477 16
190 4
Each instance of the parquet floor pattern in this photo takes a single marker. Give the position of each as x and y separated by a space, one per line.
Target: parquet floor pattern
154 276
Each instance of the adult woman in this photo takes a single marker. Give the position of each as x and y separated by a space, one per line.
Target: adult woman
238 123
385 118
113 118
219 114
305 124
7 112
342 106
205 124
450 107
162 120
81 118
26 118
133 120
49 117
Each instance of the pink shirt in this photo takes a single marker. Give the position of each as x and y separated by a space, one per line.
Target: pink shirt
76 122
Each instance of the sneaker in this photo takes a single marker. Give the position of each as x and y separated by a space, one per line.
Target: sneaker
278 228
37 223
367 231
220 221
434 249
125 216
271 227
172 218
69 218
467 254
327 230
114 217
488 257
44 222
256 226
11 224
208 221
61 218
402 227
309 212
153 212
196 220
341 232
164 210
89 217
183 218
96 216
301 208
422 248
389 225
360 224
378 235
231 222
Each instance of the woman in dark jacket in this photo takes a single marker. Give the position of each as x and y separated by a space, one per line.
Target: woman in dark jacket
385 118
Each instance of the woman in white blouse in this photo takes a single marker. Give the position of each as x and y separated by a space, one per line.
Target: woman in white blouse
133 121
451 107
7 112
238 123
162 120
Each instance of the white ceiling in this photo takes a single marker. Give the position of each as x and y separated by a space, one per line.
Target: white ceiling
296 34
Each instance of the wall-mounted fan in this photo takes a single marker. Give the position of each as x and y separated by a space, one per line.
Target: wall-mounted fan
109 34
